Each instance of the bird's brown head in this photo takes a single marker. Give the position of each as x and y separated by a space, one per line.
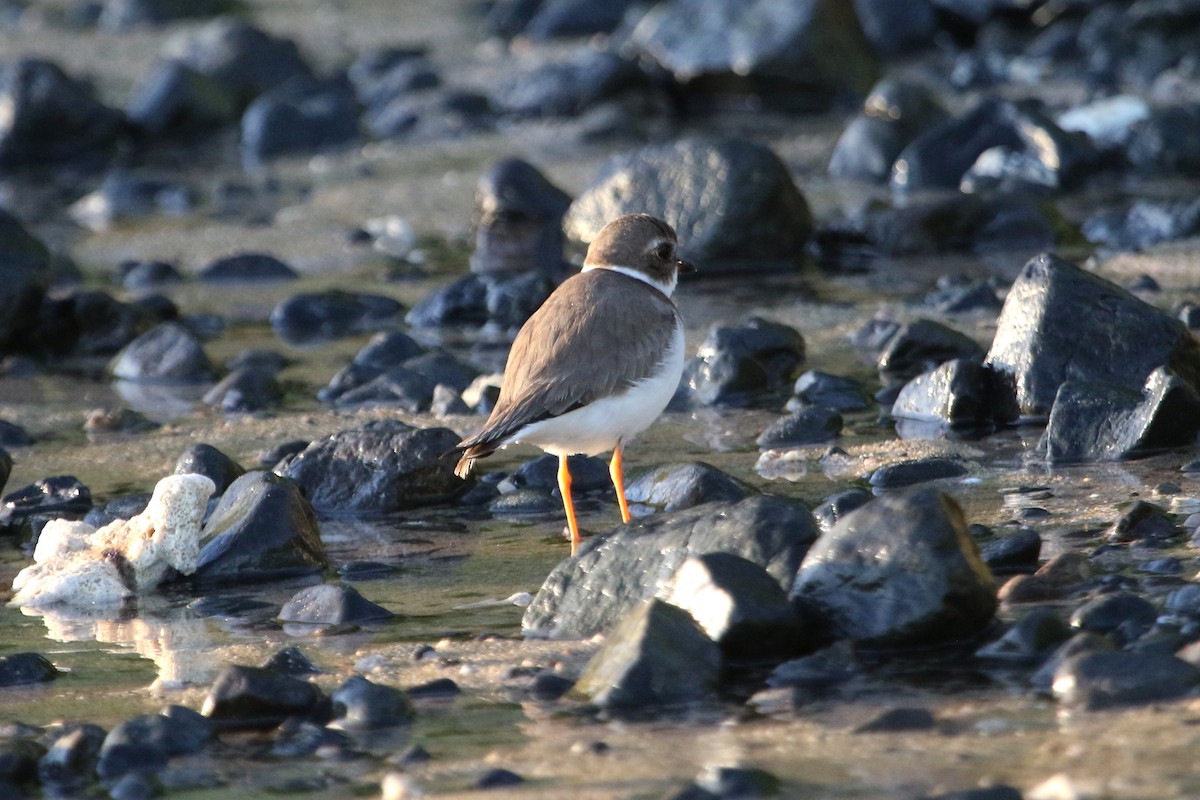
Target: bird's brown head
641 243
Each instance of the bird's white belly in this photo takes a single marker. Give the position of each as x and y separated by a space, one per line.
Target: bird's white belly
597 427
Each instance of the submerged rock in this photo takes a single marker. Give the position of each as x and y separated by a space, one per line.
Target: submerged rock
381 467
655 655
167 353
262 529
612 573
360 704
18 669
1051 330
900 571
252 697
732 201
308 318
332 604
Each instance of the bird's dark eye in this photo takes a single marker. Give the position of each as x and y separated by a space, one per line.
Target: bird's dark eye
663 252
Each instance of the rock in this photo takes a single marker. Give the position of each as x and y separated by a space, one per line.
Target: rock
1143 521
674 487
121 421
565 18
1012 552
92 323
611 574
18 669
802 56
906 473
13 435
1094 681
245 390
894 113
588 473
892 30
430 115
999 792
50 117
812 425
143 276
262 529
1121 616
397 386
1049 332
18 762
1107 121
71 757
126 196
655 655
247 267
1166 142
145 742
955 295
1052 580
525 503
1029 641
741 607
381 75
126 15
732 202
923 345
498 299
956 395
241 58
291 661
167 353
446 402
309 318
896 720
46 497
1094 421
738 366
206 460
298 116
816 388
360 704
900 571
177 100
380 467
498 778
564 87
332 604
24 278
518 220
837 506
251 697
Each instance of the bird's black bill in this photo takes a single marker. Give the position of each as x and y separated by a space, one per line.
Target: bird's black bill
685 267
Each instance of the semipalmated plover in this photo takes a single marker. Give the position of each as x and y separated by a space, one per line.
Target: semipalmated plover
598 362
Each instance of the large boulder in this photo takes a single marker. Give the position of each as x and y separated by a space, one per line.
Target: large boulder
24 277
802 54
732 202
611 574
1062 323
900 571
893 114
380 467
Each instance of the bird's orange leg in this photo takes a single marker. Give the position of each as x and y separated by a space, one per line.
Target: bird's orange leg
564 487
617 473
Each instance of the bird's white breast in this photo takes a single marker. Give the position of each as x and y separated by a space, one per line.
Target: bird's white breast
597 427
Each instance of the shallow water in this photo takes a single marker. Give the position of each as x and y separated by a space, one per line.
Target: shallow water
446 563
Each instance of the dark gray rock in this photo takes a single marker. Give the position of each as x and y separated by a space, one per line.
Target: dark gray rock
1029 641
242 59
906 473
71 758
291 661
1000 792
656 655
398 386
175 100
24 278
245 390
812 425
1184 600
894 113
379 76
247 267
1093 421
611 574
167 353
588 473
836 506
818 388
143 276
49 116
1121 616
91 324
674 487
430 115
6 465
441 367
1014 552
900 571
941 155
896 720
1144 223
1050 331
741 607
206 460
360 704
22 668
434 689
1094 681
923 345
498 778
144 743
125 507
565 18
47 498
732 201
564 87
309 318
446 402
251 697
296 738
893 30
738 782
518 220
743 365
956 395
262 529
525 503
800 55
332 604
381 467
127 196
1167 142
463 302
388 349
503 300
299 117
126 15
1144 522
955 295
18 762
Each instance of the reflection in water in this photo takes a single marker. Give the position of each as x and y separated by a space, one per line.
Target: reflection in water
161 402
176 640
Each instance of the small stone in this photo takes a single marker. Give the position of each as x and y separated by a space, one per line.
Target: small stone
1104 680
812 425
1122 616
498 778
258 698
1029 640
332 604
360 704
1144 521
18 669
436 688
247 267
896 720
738 782
906 473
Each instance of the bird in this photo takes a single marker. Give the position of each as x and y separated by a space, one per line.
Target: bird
598 362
